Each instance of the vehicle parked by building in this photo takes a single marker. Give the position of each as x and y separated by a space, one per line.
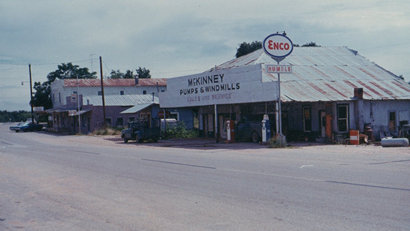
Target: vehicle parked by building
249 131
141 130
26 127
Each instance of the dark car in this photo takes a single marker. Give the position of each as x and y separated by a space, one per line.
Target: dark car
26 127
249 131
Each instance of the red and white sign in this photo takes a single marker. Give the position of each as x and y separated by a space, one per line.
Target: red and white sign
279 68
278 45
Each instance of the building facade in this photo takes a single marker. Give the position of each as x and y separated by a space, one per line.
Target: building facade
77 104
330 91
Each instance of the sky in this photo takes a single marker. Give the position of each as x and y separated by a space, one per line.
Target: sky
182 37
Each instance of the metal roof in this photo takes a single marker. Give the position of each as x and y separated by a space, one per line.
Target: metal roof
327 74
136 108
120 100
114 82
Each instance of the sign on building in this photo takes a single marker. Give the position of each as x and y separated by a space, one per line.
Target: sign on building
279 68
227 86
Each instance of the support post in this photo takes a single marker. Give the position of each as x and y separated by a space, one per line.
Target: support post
102 91
216 124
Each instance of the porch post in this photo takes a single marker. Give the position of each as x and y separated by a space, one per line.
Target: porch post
216 124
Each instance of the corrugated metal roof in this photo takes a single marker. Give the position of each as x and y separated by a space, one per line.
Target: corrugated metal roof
327 74
136 108
120 100
114 82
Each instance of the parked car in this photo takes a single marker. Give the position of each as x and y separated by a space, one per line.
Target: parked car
141 130
26 127
249 131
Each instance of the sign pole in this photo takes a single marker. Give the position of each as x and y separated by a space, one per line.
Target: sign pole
278 46
279 107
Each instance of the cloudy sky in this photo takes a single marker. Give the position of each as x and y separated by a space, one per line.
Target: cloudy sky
180 37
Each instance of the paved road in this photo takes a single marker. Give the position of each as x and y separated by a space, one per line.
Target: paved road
72 183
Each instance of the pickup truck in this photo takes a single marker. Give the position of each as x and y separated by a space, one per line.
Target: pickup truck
140 131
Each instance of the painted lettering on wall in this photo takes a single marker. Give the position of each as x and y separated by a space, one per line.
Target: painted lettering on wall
206 84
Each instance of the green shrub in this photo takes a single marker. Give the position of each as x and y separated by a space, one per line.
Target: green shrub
180 131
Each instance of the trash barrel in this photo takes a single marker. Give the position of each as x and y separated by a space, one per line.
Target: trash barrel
354 137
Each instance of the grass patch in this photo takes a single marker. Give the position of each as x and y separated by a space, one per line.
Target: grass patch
108 131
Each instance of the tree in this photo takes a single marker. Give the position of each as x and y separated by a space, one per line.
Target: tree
143 73
116 74
70 71
42 96
311 44
246 48
119 75
129 74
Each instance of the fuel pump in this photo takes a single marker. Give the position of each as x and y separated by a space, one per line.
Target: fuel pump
265 129
230 131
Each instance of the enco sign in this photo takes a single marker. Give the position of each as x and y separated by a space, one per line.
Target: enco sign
278 46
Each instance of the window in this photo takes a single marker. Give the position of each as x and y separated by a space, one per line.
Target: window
174 115
392 121
108 121
120 122
307 119
99 92
131 119
144 92
74 92
343 117
121 92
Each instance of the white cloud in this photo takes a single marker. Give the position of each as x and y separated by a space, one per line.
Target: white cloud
186 36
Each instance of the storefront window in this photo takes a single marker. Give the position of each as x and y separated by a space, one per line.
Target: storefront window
342 117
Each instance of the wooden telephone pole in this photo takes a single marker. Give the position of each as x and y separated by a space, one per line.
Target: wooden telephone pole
102 92
31 94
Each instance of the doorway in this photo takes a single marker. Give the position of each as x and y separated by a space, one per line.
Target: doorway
322 123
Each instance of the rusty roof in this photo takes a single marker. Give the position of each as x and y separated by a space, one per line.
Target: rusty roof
114 82
328 74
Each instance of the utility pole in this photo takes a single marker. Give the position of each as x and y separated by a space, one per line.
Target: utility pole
78 107
102 90
31 94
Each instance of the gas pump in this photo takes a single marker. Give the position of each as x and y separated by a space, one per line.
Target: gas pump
230 131
265 129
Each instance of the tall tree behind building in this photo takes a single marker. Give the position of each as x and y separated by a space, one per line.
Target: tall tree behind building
143 73
246 48
42 96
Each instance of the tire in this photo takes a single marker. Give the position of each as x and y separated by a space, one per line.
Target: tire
125 140
255 137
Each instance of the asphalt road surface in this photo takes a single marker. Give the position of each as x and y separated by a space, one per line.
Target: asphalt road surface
50 182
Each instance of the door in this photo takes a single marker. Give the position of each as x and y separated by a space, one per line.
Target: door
322 123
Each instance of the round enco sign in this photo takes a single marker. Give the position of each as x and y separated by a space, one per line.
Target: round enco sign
278 46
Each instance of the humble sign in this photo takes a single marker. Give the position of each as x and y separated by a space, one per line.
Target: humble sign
279 68
278 46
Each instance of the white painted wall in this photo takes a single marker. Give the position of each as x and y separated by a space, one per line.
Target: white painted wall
57 88
237 85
